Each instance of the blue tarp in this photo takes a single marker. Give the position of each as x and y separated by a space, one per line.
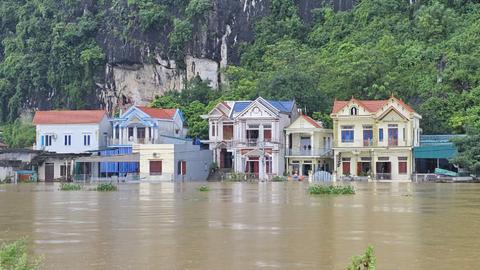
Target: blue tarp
118 167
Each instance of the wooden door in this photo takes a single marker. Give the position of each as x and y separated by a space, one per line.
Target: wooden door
346 167
49 172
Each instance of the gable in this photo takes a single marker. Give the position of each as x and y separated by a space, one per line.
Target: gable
257 110
302 123
345 110
392 115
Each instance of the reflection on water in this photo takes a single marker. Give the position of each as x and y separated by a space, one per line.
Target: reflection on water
245 226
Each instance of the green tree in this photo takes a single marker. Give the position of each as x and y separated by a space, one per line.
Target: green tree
18 135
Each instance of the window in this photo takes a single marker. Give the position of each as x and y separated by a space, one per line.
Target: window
367 135
46 140
392 136
227 131
402 165
404 135
353 111
155 167
213 129
68 140
65 170
252 132
117 132
86 139
347 134
267 132
182 167
380 134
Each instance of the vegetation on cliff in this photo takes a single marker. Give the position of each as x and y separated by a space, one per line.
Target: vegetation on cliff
52 55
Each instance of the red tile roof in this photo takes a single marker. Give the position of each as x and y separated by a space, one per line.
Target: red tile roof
311 121
69 117
370 105
159 113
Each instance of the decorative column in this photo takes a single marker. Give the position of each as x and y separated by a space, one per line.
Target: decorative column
135 134
312 143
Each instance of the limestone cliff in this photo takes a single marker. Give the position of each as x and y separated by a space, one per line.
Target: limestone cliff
139 66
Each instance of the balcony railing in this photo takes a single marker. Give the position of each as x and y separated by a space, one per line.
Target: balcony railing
367 142
131 141
383 176
393 142
309 152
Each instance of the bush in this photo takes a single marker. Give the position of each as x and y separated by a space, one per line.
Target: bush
70 187
364 262
235 177
14 256
204 188
335 190
106 187
278 178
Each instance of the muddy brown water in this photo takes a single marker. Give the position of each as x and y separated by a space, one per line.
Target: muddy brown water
245 226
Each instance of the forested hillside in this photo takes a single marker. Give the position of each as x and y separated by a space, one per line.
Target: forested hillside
57 53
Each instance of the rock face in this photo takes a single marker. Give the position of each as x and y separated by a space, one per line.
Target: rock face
139 67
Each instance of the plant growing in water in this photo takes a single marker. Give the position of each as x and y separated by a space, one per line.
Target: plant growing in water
331 189
278 178
366 261
106 187
70 187
14 256
204 188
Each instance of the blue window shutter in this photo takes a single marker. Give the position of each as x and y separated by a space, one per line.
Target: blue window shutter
42 140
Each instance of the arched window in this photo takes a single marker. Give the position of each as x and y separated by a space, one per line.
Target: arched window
353 111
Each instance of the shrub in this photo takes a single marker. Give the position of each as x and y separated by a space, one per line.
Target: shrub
331 189
235 176
106 187
70 187
204 188
14 256
364 262
278 178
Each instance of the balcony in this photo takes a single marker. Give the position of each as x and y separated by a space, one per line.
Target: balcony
130 141
392 141
298 152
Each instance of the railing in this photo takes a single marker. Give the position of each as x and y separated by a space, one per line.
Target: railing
309 152
130 141
383 176
368 142
392 142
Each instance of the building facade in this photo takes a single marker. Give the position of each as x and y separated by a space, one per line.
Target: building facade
374 139
308 148
247 136
143 125
71 131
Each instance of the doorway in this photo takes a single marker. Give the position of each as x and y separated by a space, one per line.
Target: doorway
225 159
49 172
306 169
384 171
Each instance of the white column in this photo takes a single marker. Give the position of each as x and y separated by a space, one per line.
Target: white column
312 143
135 134
125 135
114 136
287 143
260 133
334 169
147 134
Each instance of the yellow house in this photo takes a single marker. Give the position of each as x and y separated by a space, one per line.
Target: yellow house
374 139
308 147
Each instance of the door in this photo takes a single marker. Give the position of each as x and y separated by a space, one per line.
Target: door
346 167
49 172
306 169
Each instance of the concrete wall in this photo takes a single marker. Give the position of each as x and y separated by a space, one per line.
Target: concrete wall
198 161
57 162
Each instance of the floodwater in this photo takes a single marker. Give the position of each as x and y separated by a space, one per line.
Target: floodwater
245 226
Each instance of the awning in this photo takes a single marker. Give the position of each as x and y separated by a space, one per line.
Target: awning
118 158
442 151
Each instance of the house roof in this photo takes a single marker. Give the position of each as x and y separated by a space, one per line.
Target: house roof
370 105
311 121
69 117
159 113
280 105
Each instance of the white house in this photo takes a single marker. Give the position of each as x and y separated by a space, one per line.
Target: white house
145 125
308 147
71 131
374 138
247 136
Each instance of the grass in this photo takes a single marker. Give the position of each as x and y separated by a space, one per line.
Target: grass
331 189
204 188
367 261
14 256
106 187
70 187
